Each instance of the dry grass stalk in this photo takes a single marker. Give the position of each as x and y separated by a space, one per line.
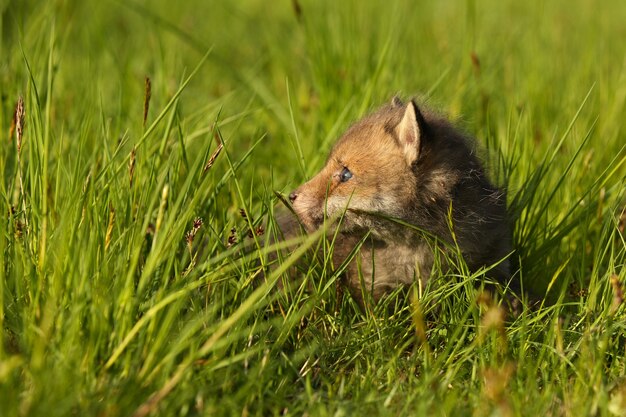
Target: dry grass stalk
146 100
131 165
475 63
419 323
109 234
162 206
558 330
297 9
13 123
618 293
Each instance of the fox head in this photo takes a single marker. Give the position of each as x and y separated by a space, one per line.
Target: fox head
369 170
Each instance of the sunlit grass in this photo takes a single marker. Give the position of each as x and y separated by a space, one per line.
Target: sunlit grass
139 228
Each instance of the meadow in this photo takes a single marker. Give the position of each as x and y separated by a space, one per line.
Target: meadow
143 147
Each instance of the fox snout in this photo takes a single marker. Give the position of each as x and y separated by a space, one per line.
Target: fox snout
308 205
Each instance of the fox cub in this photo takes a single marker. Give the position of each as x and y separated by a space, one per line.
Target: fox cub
395 177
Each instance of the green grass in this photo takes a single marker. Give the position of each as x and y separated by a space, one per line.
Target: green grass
106 310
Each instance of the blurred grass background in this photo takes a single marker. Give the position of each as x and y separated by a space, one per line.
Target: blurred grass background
108 309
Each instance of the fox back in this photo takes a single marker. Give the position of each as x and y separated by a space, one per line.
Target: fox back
394 177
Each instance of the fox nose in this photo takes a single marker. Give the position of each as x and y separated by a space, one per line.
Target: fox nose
293 196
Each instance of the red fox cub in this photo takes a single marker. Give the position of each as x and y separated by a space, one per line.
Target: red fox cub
394 177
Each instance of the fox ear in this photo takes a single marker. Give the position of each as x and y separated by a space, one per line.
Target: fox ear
396 102
410 132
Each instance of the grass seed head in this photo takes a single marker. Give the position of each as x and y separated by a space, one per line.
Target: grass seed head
19 122
215 154
190 235
232 238
496 382
19 228
484 299
492 318
617 403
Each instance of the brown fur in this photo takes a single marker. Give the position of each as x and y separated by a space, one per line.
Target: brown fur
412 166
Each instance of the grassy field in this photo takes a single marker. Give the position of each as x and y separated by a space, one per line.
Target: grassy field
131 248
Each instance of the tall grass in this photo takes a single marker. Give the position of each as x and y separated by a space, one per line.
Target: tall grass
138 222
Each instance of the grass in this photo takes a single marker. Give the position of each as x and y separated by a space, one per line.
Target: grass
115 300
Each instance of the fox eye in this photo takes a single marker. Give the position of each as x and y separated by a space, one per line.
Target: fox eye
345 175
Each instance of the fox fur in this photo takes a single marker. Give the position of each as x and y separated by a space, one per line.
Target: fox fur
396 176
